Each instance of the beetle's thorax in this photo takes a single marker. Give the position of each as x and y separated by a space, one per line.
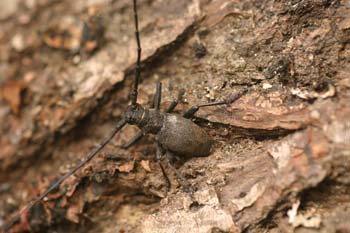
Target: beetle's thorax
134 114
152 121
148 120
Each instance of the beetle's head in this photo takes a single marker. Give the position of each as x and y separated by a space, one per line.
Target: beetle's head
134 114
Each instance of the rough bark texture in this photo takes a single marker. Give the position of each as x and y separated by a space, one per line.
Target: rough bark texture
281 161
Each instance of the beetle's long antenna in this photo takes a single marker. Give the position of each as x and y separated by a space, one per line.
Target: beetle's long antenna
90 156
133 94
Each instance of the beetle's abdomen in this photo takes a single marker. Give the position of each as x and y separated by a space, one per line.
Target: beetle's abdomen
183 137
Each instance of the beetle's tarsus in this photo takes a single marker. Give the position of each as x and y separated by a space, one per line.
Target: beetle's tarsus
166 178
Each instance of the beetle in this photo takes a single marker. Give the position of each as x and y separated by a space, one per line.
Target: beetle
176 135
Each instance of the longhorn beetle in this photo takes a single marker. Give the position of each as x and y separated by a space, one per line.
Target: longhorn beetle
175 134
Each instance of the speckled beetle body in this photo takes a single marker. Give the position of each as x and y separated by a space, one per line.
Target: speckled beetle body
174 132
183 137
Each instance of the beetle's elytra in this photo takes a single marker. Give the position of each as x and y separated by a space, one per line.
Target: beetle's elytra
183 137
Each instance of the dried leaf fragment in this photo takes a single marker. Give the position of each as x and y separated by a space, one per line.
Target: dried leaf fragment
73 34
127 167
11 92
145 164
74 211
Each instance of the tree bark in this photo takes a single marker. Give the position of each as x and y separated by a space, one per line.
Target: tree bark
281 158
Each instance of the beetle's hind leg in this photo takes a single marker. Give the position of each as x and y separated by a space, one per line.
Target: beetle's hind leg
182 180
158 158
190 112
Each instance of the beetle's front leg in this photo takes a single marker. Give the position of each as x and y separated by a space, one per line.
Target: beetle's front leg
157 96
132 141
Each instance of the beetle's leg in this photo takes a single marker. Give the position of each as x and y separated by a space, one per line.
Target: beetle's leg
132 141
183 182
167 180
175 101
158 96
158 158
190 112
172 106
